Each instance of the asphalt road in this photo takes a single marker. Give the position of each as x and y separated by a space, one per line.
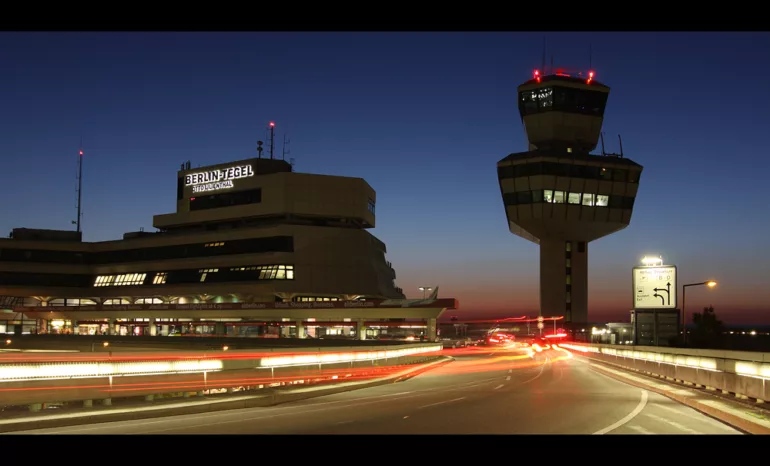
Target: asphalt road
484 391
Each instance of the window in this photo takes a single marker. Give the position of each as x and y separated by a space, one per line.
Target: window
588 199
583 101
574 170
573 198
602 201
149 301
204 273
535 101
569 263
311 299
548 196
569 150
269 272
558 197
228 199
569 279
370 206
126 279
569 297
568 246
160 278
524 197
214 245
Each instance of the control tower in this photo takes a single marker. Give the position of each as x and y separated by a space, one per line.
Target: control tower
560 196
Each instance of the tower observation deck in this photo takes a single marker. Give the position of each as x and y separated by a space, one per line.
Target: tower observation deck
559 195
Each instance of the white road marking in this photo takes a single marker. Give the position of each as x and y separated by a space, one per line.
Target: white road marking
631 415
508 378
442 402
500 386
641 430
672 423
406 417
510 370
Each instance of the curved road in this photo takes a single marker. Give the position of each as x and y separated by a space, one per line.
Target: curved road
484 391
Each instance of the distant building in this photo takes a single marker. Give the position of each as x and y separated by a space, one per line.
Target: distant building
253 249
559 195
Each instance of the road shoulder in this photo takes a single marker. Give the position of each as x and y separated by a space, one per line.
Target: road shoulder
750 419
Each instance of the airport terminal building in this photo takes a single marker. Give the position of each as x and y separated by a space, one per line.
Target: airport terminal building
253 249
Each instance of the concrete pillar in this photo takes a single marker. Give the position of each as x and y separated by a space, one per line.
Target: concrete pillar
75 328
153 328
164 330
219 329
555 256
112 330
300 329
88 403
430 331
35 407
107 402
149 397
361 329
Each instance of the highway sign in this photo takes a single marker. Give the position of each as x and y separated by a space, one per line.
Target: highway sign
540 325
654 287
540 318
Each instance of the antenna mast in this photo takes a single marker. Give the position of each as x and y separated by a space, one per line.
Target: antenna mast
272 139
80 183
285 152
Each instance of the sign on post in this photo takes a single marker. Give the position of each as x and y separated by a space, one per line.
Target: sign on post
655 287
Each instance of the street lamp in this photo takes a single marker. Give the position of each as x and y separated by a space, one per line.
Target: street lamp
424 290
710 284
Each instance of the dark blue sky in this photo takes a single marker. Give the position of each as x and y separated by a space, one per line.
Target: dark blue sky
423 117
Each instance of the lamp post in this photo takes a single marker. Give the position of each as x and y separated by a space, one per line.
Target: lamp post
424 290
710 284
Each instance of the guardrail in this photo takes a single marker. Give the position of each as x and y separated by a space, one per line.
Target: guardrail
741 373
35 378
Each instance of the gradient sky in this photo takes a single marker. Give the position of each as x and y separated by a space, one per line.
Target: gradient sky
423 117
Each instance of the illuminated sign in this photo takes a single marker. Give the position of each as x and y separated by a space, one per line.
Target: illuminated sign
655 287
215 180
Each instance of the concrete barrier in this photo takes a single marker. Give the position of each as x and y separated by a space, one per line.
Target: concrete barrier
269 398
740 373
39 378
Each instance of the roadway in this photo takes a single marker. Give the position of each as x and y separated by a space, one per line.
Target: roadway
484 391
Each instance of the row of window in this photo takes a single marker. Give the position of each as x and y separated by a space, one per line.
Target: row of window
562 99
226 199
253 272
173 277
563 197
568 170
370 205
243 246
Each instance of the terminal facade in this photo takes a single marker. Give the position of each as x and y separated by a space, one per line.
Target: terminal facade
253 249
558 194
